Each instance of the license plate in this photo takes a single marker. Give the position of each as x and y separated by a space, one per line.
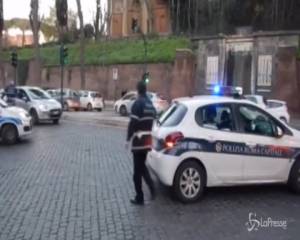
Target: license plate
55 112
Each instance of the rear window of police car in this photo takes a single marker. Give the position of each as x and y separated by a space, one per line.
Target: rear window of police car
173 116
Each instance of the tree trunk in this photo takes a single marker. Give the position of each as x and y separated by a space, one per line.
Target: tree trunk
196 10
35 25
189 16
2 74
97 19
82 45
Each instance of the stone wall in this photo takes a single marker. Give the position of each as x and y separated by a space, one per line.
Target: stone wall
169 79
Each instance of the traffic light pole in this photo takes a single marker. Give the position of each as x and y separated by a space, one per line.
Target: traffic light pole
16 76
146 52
61 77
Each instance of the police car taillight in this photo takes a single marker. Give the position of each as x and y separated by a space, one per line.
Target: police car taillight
172 139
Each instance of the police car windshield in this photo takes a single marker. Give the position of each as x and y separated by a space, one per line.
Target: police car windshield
38 94
3 104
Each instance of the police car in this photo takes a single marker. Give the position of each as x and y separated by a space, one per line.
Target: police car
210 141
15 123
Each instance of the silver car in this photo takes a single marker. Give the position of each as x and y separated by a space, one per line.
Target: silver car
40 105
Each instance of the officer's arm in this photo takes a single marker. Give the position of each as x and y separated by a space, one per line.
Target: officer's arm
136 114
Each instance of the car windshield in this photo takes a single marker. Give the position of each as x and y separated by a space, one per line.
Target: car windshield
3 104
38 94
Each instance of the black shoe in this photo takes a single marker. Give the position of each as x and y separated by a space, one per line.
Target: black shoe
137 202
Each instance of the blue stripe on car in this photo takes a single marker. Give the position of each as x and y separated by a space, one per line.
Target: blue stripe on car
226 147
13 120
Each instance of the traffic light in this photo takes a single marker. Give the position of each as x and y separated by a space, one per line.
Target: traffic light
14 59
146 77
63 55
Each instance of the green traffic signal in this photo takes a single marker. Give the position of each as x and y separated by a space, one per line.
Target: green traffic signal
63 55
146 77
14 59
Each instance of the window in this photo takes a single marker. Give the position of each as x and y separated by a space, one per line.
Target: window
212 70
273 104
128 96
253 121
38 94
22 94
134 25
95 95
251 98
264 78
217 117
173 116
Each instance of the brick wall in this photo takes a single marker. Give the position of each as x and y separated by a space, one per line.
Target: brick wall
170 79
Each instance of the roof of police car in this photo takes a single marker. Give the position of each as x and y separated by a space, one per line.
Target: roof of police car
210 99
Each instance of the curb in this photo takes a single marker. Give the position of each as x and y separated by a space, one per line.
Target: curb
103 122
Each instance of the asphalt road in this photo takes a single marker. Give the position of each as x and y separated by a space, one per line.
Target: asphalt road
74 181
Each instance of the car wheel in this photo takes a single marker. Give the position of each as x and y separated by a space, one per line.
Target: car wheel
294 179
56 121
89 107
35 117
189 182
99 109
66 107
9 134
123 111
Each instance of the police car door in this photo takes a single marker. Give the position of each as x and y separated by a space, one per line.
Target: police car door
265 156
219 141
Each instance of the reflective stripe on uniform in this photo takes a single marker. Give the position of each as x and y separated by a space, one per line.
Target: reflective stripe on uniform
139 135
141 119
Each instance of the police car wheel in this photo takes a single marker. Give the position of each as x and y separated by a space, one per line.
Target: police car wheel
123 111
189 182
9 134
294 179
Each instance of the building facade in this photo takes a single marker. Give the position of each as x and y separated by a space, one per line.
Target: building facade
130 17
262 63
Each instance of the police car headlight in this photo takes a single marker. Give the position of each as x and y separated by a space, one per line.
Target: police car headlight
43 108
24 115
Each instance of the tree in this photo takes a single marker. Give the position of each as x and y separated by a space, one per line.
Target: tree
1 41
61 16
82 45
97 19
89 31
35 26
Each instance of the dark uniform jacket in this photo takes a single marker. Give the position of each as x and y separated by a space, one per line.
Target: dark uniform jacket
141 120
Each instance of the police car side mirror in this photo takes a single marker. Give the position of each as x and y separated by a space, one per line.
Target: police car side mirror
279 132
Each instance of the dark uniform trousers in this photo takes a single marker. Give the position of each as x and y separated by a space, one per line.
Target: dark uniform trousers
141 171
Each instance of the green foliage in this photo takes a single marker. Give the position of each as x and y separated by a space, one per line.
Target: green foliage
111 52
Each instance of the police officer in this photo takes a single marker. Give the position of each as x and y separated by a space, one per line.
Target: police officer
139 138
11 92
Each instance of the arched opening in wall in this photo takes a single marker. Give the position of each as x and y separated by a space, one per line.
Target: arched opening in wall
135 16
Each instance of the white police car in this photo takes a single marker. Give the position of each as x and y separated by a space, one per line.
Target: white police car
15 123
212 141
